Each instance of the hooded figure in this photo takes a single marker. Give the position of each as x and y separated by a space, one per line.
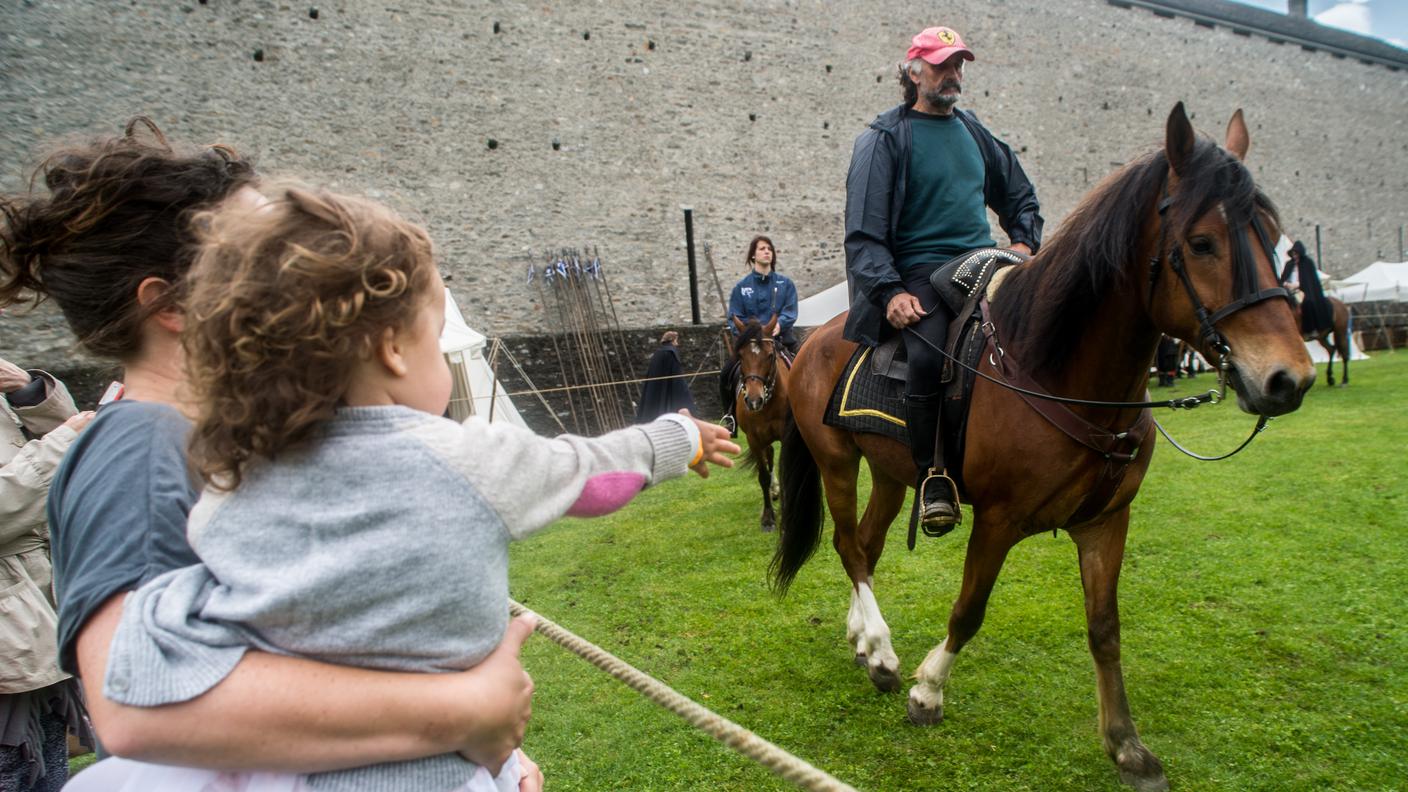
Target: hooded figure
660 396
1316 315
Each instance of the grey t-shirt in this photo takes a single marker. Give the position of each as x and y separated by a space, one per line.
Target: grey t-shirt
117 511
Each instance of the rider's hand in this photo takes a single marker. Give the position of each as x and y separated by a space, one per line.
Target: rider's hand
904 310
717 446
502 694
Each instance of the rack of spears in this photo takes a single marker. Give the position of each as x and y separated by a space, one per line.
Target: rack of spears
592 353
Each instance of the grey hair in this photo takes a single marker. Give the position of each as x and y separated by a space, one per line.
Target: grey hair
913 66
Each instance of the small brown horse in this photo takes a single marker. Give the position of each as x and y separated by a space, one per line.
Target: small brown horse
761 404
1334 339
1160 246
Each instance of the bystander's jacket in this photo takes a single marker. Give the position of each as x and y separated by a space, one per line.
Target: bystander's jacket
32 441
875 193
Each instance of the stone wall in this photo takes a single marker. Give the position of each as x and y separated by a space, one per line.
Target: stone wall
514 128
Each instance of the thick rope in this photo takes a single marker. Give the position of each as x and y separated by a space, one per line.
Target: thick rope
724 730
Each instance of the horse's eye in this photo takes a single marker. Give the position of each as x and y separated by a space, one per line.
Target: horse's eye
1200 246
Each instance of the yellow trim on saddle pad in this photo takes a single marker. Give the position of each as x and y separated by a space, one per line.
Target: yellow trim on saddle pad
846 395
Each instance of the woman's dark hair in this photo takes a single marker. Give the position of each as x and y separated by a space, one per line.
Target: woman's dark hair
753 251
117 211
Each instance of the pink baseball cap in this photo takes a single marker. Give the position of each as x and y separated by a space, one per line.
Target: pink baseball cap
936 45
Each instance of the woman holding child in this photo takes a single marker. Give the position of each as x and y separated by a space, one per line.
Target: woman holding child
112 244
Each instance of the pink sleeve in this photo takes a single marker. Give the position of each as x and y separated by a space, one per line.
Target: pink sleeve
605 493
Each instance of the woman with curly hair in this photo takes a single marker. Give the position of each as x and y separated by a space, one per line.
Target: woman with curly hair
108 238
344 519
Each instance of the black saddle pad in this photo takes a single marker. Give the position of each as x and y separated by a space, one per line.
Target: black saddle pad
864 401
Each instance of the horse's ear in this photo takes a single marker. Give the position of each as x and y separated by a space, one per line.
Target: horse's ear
1179 137
770 326
738 323
1238 140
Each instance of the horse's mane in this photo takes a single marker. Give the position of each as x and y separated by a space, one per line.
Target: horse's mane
753 331
1046 304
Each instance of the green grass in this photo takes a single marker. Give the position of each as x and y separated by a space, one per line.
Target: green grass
1262 604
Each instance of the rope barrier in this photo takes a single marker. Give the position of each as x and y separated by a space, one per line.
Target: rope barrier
606 384
742 740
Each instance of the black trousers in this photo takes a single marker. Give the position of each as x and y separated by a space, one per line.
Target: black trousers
923 390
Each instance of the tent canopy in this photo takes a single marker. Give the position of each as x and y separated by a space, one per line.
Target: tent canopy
1381 280
475 390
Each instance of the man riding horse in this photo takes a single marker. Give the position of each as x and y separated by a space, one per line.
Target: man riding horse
920 179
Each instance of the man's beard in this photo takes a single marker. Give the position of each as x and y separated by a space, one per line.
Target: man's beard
937 98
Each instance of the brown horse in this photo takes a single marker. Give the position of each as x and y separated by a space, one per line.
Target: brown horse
761 404
1160 246
1334 338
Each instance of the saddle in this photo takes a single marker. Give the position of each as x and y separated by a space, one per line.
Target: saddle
869 397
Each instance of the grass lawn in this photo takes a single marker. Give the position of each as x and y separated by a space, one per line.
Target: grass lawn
1262 603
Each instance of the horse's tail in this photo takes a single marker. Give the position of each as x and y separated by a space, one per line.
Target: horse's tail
801 509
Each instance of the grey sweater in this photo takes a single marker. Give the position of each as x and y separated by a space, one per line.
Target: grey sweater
381 544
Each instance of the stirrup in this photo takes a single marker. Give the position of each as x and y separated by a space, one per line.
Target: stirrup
730 424
938 525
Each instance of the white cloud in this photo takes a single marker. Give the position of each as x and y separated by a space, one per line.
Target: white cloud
1352 16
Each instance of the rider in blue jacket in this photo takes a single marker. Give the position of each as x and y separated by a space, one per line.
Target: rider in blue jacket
760 295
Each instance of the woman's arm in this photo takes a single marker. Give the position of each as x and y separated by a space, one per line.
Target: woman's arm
295 715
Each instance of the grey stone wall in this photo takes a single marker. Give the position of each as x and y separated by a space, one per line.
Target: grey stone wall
605 117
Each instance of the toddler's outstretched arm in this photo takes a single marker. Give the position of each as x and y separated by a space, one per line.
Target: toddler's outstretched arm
530 481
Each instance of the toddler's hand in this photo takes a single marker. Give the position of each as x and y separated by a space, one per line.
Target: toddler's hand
717 446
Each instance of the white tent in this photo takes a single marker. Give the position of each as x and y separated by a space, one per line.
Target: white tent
819 308
1381 280
473 384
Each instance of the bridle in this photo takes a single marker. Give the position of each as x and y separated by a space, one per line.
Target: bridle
1246 293
769 382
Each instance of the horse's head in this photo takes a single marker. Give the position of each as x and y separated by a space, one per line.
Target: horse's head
1212 280
757 361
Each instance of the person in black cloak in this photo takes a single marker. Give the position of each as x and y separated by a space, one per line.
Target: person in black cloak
1166 361
660 396
1315 311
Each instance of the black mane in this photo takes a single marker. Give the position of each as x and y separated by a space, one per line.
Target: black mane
1045 305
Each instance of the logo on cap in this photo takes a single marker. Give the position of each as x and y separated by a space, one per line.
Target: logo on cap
946 36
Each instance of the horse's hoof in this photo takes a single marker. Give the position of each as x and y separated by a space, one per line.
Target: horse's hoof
885 680
1140 769
1145 784
769 526
861 660
921 715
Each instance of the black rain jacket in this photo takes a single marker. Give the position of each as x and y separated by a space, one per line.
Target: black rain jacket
875 190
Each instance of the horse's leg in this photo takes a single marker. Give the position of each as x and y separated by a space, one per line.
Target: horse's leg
1101 549
987 549
762 460
1342 341
865 625
1329 367
866 630
775 488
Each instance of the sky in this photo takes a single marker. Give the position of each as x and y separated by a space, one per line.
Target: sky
1382 19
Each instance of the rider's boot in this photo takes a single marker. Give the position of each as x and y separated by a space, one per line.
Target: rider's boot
934 491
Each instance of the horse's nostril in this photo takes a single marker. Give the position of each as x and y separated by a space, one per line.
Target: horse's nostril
1282 387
